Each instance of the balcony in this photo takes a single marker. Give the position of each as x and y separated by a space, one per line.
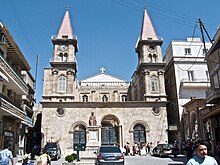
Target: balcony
15 82
212 95
196 83
9 108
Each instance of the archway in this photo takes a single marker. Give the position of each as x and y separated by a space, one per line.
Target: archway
110 130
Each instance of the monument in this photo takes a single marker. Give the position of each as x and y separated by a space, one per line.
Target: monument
93 143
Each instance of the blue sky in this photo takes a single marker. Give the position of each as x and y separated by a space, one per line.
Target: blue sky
107 30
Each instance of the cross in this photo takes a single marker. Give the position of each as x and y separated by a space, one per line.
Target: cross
67 7
102 70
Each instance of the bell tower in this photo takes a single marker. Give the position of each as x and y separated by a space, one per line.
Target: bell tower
60 80
149 76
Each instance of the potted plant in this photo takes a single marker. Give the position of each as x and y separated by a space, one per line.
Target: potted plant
70 158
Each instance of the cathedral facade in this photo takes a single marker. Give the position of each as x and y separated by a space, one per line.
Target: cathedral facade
133 112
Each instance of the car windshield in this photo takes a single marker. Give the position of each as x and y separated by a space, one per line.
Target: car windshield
51 149
50 145
168 146
110 150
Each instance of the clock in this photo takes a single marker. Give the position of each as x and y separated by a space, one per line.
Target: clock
63 48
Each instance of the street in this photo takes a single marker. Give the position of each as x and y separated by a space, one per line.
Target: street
142 160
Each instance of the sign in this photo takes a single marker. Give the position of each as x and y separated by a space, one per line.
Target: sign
173 128
10 134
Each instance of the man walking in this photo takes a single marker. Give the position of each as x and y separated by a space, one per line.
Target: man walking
201 157
6 156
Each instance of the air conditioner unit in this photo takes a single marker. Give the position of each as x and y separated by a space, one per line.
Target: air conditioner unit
2 39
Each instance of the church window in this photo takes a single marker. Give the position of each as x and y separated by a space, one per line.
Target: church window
123 98
62 84
65 57
85 98
104 98
154 58
156 110
150 58
154 84
60 111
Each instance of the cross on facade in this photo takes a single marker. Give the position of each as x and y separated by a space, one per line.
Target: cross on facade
102 70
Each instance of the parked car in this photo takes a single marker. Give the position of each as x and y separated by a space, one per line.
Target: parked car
53 150
165 150
109 155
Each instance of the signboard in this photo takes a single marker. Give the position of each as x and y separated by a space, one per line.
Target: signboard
173 128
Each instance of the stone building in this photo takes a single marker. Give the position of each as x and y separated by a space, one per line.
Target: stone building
211 115
133 112
16 95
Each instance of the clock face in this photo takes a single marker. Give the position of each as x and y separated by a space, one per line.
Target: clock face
63 47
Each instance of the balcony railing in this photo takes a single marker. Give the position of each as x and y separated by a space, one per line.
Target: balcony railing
11 108
205 83
13 74
53 37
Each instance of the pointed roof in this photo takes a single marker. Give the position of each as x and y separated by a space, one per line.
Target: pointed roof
147 31
103 77
66 27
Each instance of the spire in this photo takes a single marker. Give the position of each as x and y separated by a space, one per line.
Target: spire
66 27
147 31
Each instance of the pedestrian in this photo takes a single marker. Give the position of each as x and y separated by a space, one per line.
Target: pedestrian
6 156
44 159
201 157
19 161
189 150
218 151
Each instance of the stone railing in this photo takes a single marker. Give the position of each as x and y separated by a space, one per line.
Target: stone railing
97 84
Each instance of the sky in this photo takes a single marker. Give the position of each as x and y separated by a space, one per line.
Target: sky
107 30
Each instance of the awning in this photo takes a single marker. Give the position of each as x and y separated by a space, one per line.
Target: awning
3 76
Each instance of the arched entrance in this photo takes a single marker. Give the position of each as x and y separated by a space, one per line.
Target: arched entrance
139 134
110 130
79 137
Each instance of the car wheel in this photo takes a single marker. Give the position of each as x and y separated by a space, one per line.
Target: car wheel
175 155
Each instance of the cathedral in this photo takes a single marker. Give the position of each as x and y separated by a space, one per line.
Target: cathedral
117 111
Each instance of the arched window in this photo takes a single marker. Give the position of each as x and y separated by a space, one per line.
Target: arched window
65 57
154 58
62 84
104 98
123 98
150 58
154 84
85 98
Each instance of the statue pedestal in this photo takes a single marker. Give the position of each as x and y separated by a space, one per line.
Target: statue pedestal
92 145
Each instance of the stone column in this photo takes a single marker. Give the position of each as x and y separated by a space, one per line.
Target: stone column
161 81
146 81
54 80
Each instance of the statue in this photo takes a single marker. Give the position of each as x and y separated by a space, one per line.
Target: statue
92 120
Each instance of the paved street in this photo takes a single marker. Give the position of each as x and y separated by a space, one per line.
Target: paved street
142 160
